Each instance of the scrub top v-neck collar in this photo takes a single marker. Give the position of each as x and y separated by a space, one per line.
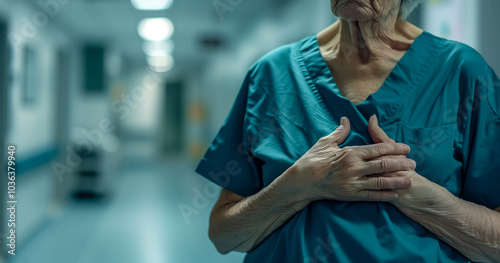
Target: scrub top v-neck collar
386 102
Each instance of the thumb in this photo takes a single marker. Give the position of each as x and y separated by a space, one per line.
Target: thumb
378 135
340 134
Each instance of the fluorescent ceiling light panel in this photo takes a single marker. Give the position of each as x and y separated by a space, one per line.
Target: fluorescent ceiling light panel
151 4
155 29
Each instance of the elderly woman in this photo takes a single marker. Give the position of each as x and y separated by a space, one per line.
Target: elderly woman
372 141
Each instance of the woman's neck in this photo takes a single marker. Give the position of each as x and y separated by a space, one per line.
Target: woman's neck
367 41
361 55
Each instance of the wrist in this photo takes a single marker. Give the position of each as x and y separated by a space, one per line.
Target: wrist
426 198
290 186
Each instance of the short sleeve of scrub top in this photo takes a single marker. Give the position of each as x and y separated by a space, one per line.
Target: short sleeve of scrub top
482 144
442 99
229 162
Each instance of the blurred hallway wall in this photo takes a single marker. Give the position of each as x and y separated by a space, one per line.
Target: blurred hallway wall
47 108
32 107
473 22
489 32
31 81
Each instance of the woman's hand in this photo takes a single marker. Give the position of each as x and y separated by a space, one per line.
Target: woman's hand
329 172
423 193
471 229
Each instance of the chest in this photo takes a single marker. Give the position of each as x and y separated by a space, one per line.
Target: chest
357 83
306 114
357 90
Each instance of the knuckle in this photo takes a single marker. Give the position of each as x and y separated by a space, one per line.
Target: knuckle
323 139
378 183
348 151
346 154
379 148
355 186
383 165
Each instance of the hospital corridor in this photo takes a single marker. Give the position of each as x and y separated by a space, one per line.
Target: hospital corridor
108 106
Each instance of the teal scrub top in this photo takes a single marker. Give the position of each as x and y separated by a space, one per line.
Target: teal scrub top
442 99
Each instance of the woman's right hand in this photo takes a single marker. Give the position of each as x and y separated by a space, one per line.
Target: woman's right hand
350 174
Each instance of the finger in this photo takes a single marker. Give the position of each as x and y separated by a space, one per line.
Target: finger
340 134
385 183
378 135
368 152
377 196
388 164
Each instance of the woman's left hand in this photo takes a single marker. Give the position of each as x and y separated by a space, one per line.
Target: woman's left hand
423 194
471 229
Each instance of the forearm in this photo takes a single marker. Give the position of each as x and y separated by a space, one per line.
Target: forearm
241 226
471 229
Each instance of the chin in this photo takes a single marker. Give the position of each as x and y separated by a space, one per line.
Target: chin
354 11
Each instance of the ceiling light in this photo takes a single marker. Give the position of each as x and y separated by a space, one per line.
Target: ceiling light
151 4
155 29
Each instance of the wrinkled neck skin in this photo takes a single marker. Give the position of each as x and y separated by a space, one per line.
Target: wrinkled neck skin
365 42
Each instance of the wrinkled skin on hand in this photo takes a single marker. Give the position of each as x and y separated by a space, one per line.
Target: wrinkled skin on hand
423 193
327 172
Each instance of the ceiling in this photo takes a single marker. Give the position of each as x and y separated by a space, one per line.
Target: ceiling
114 22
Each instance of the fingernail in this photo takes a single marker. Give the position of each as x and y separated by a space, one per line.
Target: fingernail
407 148
408 182
342 121
412 164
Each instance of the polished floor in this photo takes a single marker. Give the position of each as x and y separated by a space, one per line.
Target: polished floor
140 221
